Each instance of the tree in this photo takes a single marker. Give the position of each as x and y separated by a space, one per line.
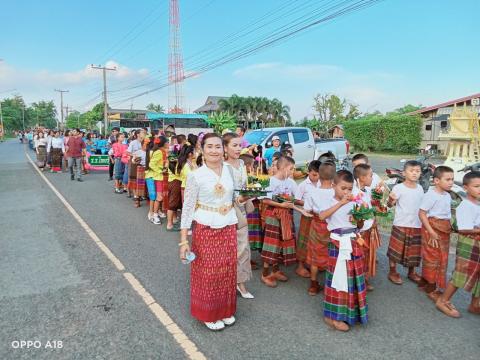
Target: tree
405 109
156 108
222 121
332 110
44 113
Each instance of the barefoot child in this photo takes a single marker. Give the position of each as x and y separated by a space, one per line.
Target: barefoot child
435 214
345 301
279 239
319 236
304 190
467 267
406 239
363 180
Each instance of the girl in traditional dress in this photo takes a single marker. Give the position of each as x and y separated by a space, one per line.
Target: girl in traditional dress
41 150
154 169
56 148
139 158
233 148
209 197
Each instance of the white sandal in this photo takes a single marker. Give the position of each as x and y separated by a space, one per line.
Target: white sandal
246 295
229 321
215 326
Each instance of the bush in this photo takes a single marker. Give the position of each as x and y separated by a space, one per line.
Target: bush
389 133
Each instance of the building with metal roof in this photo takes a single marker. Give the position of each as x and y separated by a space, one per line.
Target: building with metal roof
210 106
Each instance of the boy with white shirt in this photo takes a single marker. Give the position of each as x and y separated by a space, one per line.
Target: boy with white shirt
435 214
317 201
345 301
279 234
406 239
467 267
363 180
303 190
363 159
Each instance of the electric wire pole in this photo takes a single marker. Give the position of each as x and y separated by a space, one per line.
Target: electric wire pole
105 104
61 104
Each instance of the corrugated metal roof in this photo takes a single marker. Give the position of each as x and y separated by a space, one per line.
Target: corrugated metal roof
445 104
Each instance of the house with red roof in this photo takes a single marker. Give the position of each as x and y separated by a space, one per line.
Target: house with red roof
436 120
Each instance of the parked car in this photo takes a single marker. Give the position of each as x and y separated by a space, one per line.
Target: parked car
305 147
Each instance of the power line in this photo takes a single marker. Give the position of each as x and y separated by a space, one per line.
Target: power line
277 36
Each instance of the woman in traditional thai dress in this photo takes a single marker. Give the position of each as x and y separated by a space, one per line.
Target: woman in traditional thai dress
208 204
41 150
233 147
56 148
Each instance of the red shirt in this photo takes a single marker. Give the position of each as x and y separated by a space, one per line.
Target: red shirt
75 145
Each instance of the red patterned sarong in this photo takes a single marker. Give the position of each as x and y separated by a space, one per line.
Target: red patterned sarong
372 243
302 240
317 246
213 276
405 246
435 260
279 241
255 229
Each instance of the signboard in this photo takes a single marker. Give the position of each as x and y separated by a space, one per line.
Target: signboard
98 160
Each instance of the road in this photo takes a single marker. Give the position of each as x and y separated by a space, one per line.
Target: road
58 284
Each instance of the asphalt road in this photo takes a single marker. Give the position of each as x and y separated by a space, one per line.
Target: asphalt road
56 284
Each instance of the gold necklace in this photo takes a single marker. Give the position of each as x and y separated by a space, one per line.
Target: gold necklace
218 189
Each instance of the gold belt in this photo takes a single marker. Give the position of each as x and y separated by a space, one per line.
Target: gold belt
222 210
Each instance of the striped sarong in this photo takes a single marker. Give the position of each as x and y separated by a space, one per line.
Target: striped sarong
467 266
405 246
255 231
435 260
41 156
302 239
372 243
350 307
56 159
132 175
317 246
278 245
140 188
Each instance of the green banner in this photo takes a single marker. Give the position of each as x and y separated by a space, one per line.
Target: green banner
98 160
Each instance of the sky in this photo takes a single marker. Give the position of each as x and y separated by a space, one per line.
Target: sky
382 57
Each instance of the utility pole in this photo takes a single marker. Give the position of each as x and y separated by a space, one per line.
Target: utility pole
1 120
61 104
105 104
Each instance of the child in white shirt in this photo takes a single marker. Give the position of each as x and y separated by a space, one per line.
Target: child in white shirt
406 239
435 214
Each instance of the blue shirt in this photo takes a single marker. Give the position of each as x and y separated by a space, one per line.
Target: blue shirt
269 154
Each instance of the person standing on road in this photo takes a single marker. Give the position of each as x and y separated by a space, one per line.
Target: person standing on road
112 140
56 149
119 149
74 151
41 150
208 205
233 148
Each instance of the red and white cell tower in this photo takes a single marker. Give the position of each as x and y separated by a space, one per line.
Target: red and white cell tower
175 63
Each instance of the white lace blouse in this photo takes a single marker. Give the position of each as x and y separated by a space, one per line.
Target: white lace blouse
200 189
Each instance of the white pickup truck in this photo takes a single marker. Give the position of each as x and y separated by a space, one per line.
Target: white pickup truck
305 147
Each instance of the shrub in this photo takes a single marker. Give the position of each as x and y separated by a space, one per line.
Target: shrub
389 133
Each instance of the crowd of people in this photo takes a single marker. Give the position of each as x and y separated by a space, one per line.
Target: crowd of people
194 183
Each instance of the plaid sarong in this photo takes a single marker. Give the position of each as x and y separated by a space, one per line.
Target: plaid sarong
302 239
317 246
140 188
435 260
276 248
405 246
372 243
467 266
132 175
350 307
255 232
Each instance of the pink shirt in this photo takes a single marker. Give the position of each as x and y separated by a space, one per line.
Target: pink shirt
119 149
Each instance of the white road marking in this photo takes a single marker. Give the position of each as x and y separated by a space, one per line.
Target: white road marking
180 337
